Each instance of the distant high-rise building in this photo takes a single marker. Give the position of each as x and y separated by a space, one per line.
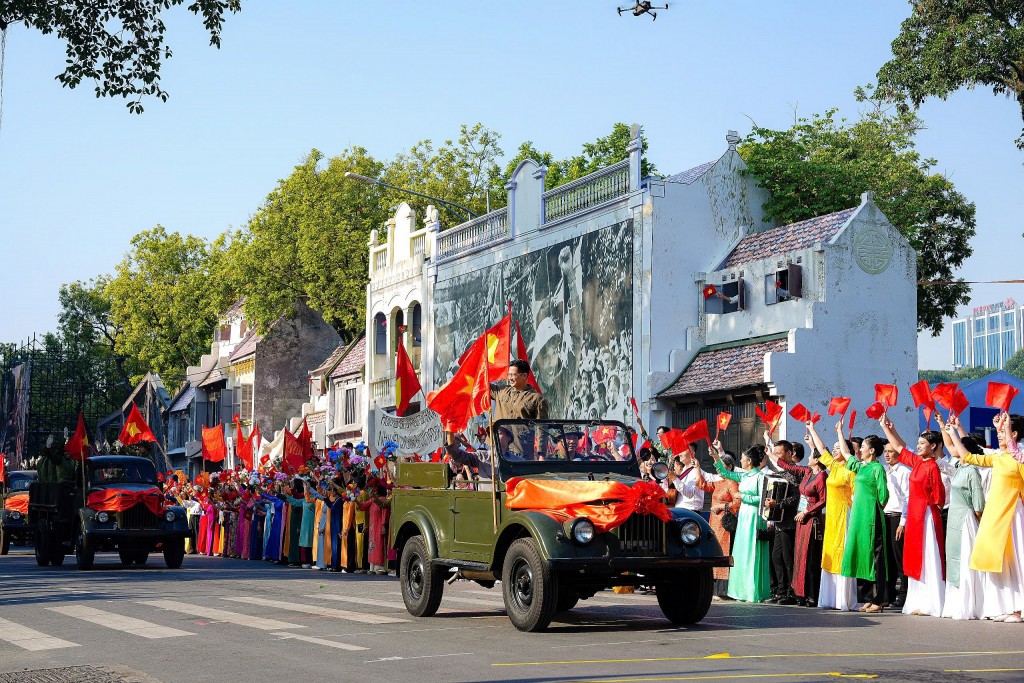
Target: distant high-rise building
989 336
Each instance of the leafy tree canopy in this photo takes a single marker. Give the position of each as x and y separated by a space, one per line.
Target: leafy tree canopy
119 44
822 164
1015 366
945 45
961 375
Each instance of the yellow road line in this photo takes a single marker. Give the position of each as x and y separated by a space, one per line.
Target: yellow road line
720 677
726 655
970 671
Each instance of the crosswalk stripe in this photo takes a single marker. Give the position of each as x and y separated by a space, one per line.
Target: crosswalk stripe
317 609
360 601
118 622
495 604
319 641
221 615
29 639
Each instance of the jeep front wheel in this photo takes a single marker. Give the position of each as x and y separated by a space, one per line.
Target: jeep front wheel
687 599
41 544
174 553
85 551
529 589
422 585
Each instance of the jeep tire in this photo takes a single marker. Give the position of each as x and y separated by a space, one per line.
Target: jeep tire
5 540
687 599
422 583
85 550
567 599
41 544
174 553
57 553
529 589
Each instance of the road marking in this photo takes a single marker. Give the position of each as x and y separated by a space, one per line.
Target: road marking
971 671
720 677
136 627
793 655
360 601
318 641
221 615
402 659
29 639
672 635
494 604
322 611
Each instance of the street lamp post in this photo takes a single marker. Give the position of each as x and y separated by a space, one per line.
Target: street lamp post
451 206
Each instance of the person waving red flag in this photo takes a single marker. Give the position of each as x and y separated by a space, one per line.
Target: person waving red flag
467 394
135 429
77 446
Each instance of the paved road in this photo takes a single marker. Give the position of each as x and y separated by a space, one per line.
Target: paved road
219 619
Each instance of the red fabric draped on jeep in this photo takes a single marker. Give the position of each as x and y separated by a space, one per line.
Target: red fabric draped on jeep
608 504
17 502
119 500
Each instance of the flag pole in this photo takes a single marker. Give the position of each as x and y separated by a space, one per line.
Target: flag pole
490 426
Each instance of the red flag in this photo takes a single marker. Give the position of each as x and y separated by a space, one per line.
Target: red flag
921 392
771 415
696 432
293 458
1000 395
875 410
853 419
407 384
887 394
215 449
959 403
467 393
135 429
800 413
305 438
928 416
838 405
604 434
632 402
3 468
815 418
77 446
522 355
243 446
637 445
723 423
710 291
943 394
498 344
674 441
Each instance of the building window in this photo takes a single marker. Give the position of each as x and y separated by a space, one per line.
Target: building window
993 323
380 335
1009 345
245 402
350 405
1008 320
398 321
960 343
417 325
242 329
979 352
993 352
979 326
728 297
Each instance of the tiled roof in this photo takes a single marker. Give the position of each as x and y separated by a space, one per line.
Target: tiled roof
183 400
690 175
216 375
353 361
246 347
726 368
787 238
332 359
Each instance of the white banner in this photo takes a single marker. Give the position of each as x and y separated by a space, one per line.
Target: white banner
416 434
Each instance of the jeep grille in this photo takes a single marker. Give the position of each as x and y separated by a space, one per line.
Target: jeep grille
137 517
642 535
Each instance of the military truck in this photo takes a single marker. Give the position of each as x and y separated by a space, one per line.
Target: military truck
14 527
548 559
118 507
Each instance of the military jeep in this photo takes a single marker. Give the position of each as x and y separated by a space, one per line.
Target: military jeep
14 525
445 527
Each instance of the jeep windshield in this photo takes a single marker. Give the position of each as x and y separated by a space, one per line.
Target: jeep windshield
533 446
135 473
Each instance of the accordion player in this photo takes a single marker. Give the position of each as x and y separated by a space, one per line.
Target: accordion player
774 488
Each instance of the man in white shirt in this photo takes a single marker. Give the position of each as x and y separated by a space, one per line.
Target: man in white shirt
690 483
898 481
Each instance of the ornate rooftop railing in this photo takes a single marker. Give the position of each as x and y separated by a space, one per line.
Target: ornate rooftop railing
587 192
477 232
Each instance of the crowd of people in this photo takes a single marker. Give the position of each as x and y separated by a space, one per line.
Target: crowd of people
870 524
331 514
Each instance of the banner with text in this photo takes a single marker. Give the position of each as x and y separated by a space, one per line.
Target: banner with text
418 434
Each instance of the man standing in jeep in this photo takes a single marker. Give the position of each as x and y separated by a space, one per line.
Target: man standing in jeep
518 400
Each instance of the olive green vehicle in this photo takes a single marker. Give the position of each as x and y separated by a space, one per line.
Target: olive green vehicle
443 528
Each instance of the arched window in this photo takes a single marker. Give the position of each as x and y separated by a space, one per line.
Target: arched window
417 325
380 335
398 319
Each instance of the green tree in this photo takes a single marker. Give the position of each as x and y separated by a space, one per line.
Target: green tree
1015 366
165 300
119 44
308 242
822 164
961 375
945 45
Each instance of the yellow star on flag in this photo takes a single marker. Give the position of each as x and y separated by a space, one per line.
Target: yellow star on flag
492 346
133 429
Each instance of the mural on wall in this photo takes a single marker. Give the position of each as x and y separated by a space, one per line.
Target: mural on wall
574 302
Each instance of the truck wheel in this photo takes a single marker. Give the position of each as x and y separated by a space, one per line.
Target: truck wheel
57 554
687 599
567 599
174 553
85 551
5 541
529 589
422 584
40 544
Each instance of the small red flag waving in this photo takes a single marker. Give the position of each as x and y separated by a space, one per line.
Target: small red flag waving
1000 395
710 291
959 403
696 432
674 440
723 421
853 419
771 415
838 405
292 459
135 429
943 395
875 410
800 413
77 446
921 392
215 449
407 384
887 394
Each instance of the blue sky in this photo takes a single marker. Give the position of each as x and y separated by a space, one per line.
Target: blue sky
79 175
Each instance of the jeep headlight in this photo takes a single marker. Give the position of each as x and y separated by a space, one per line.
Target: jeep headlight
689 532
15 514
581 530
102 517
659 471
169 515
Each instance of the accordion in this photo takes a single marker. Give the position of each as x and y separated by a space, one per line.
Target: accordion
775 488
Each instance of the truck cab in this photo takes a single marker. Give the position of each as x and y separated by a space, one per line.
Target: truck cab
14 527
565 515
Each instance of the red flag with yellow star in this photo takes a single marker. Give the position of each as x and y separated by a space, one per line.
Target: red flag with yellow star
467 393
135 429
77 446
407 384
499 349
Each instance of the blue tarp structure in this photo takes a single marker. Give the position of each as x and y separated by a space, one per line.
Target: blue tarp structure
978 418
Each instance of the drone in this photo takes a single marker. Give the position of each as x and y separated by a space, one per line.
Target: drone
643 7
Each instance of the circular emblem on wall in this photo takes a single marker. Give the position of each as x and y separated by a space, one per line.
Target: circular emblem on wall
872 248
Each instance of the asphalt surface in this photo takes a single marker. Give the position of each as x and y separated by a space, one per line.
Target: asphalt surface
235 620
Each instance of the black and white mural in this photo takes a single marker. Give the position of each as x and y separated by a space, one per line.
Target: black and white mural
574 302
